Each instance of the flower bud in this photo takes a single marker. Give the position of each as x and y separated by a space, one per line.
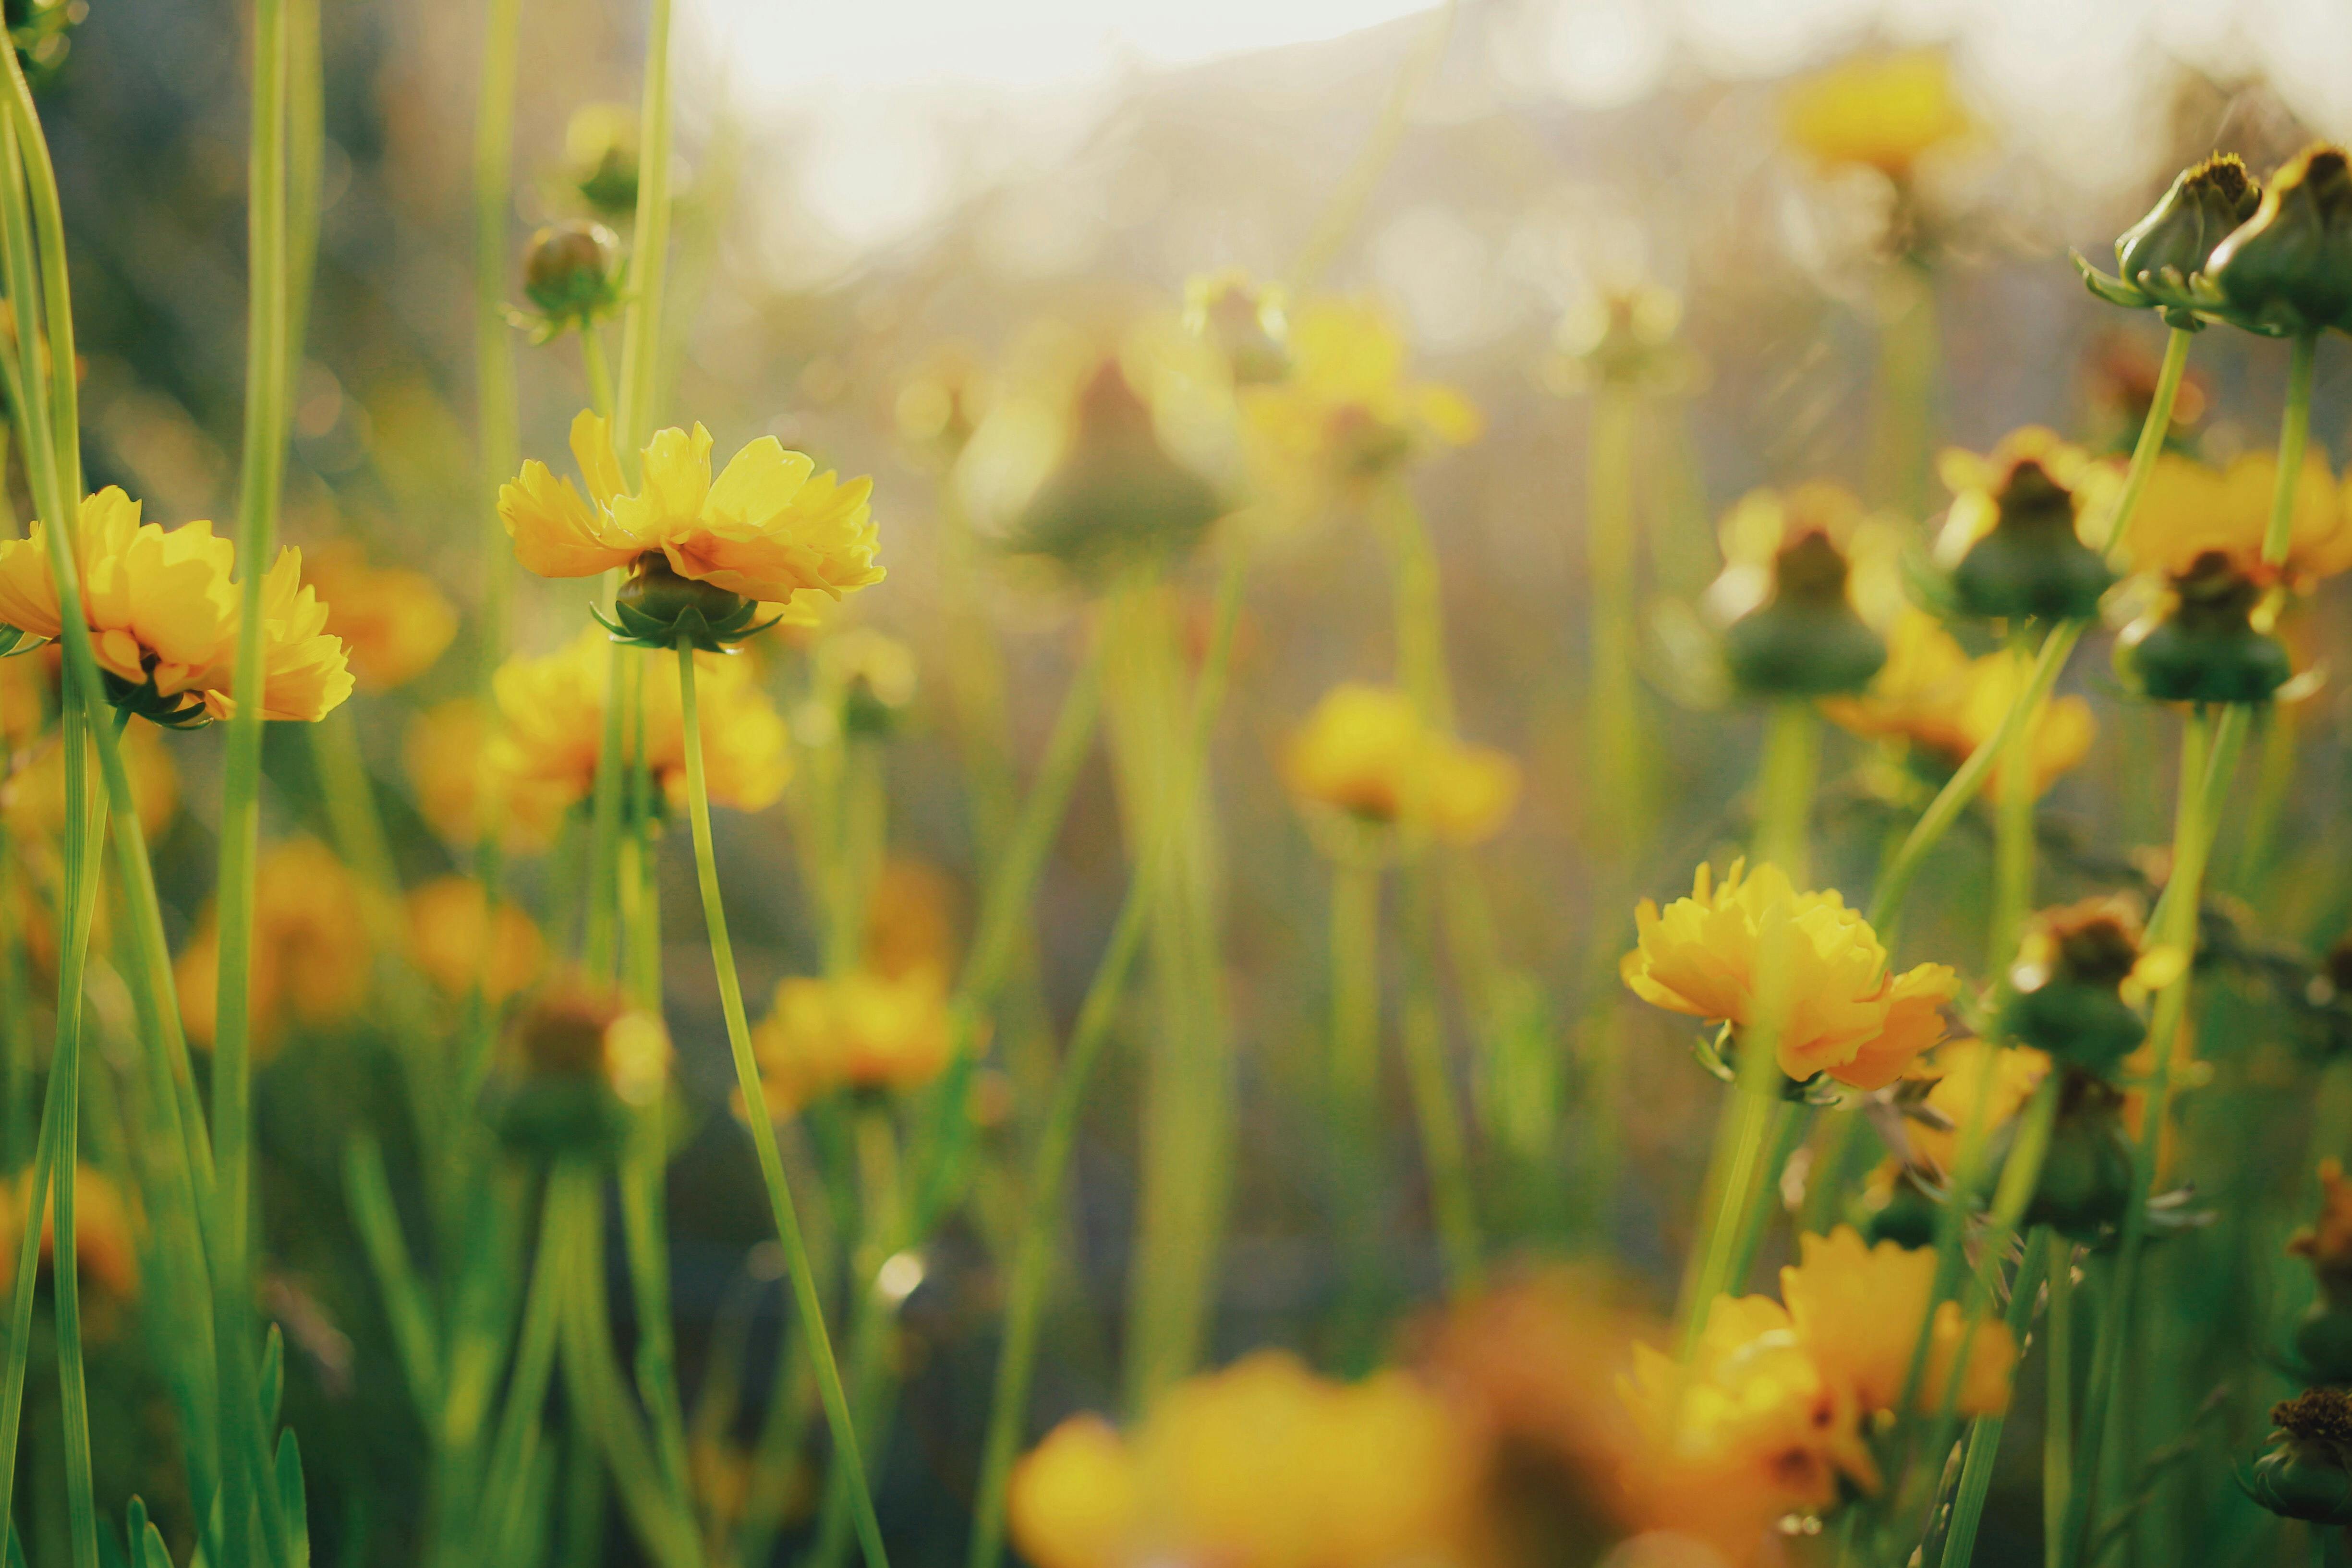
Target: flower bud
1243 324
1118 499
582 1060
2087 1173
572 273
1805 640
2304 1475
2068 986
2206 649
2288 270
600 150
656 608
2030 562
1903 1214
2157 258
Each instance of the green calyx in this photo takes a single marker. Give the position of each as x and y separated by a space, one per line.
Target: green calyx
571 275
2087 1174
2207 649
182 711
658 608
2288 270
1805 640
1118 501
2159 260
2032 564
2305 1475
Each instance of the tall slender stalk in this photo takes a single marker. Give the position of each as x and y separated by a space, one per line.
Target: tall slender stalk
763 1133
1421 1030
1353 1084
2047 1255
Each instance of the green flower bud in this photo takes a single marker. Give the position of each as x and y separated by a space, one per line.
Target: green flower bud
2066 986
655 608
572 273
2303 1475
2288 270
2030 562
1805 639
2206 648
1243 323
2158 258
581 1062
600 148
2087 1174
1118 500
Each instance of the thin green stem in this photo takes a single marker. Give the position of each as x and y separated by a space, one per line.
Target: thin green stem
2046 1252
818 1341
1354 1081
2013 845
2294 433
2153 431
1423 1032
640 324
85 847
2058 1410
1792 757
597 367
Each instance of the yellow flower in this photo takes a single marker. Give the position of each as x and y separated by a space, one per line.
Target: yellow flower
1959 1067
305 673
34 798
911 920
1880 111
1859 1310
860 1030
161 606
551 728
1845 1014
1346 413
394 621
2189 508
1365 752
310 956
455 941
1930 694
768 528
450 765
28 695
1976 480
106 1251
582 1030
1262 1464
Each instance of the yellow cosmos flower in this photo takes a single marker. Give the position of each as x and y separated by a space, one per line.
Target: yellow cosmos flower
769 528
1263 1464
448 755
1346 413
1930 694
2189 508
163 610
911 920
1846 1014
1879 112
860 1030
455 941
311 956
394 621
551 728
1365 752
1958 1069
1858 1310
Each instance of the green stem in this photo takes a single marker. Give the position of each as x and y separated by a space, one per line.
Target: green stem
1616 750
2012 895
599 370
1733 1175
2058 1417
640 324
2294 432
2153 430
818 1341
1354 1088
2046 1253
1793 756
1423 1029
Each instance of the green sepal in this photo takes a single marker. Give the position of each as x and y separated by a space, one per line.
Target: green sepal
15 640
634 628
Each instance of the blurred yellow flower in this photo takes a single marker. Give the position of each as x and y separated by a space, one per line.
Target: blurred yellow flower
454 940
28 695
1958 1069
394 621
551 728
1845 1014
33 799
859 1030
1930 694
106 1248
1859 1310
2327 1242
1976 481
1365 752
1346 415
583 1030
911 920
311 956
1880 111
768 528
2191 508
447 752
1262 1464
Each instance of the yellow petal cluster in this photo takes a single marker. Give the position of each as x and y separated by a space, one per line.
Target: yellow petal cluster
311 956
768 527
394 621
2189 508
1346 413
1879 112
1843 1012
1959 1067
450 766
33 799
1365 751
1931 695
1977 479
1858 1310
456 941
1262 1464
861 1030
162 607
106 1248
550 728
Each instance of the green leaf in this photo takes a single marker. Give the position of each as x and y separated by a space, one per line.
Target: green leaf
153 1553
289 1494
273 1377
